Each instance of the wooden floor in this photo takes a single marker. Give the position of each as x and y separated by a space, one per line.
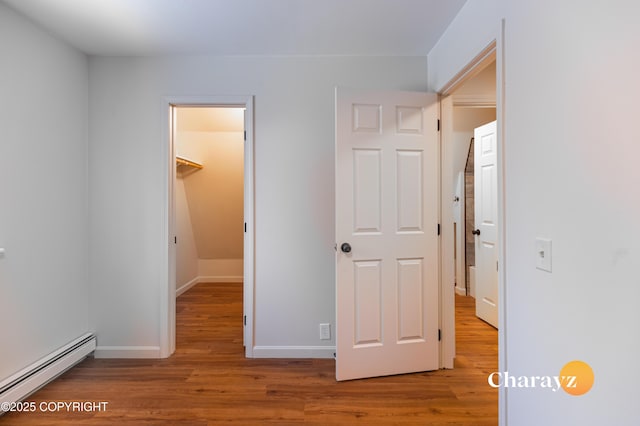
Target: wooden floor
208 381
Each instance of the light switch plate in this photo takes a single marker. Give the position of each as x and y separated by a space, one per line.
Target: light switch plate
543 254
325 331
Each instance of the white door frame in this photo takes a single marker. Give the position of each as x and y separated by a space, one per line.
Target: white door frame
494 51
447 267
168 290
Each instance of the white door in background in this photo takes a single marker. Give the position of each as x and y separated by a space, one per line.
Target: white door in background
387 157
486 221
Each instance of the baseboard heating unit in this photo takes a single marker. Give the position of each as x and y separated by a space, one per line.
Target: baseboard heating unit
30 379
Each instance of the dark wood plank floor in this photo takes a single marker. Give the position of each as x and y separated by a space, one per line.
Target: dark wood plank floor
209 382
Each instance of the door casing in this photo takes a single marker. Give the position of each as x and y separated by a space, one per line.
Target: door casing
447 267
168 292
493 51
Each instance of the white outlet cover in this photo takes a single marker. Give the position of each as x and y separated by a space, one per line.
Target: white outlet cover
543 254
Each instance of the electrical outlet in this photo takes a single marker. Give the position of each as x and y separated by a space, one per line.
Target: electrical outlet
325 331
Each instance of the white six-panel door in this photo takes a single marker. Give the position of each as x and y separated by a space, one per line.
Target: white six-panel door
387 207
486 221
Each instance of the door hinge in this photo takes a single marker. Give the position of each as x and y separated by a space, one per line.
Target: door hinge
175 240
245 227
438 229
438 124
245 135
245 320
439 335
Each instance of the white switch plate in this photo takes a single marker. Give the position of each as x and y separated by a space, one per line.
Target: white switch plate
325 331
543 254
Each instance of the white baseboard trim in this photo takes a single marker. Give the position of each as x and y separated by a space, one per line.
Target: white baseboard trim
187 286
221 279
294 351
461 291
127 352
208 280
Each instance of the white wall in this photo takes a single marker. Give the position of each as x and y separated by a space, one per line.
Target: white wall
221 270
570 158
478 90
186 252
294 181
215 193
471 31
212 198
43 211
465 121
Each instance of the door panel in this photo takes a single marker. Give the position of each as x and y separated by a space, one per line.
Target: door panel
409 191
410 301
367 191
486 219
387 159
368 303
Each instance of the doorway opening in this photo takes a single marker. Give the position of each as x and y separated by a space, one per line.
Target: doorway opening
209 195
469 100
493 52
210 203
472 105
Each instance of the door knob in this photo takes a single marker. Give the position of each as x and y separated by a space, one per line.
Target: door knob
345 247
476 232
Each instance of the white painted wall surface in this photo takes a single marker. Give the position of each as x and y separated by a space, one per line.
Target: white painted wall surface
215 193
220 270
209 202
294 181
472 30
479 90
44 289
465 120
186 252
571 152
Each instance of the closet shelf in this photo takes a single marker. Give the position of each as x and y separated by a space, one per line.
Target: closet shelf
184 162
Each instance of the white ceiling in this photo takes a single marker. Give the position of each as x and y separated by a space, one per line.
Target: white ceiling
244 27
